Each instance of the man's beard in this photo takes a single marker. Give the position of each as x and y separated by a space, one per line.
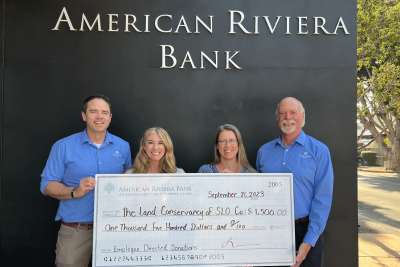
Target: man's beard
291 128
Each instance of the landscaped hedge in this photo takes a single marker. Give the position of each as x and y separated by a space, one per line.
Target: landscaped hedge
369 157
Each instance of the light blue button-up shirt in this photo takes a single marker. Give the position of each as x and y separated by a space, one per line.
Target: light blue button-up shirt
76 157
310 162
211 168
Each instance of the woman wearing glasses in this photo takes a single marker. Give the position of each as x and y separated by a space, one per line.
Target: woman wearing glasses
156 153
229 153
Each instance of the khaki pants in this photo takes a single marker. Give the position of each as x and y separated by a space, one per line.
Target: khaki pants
74 247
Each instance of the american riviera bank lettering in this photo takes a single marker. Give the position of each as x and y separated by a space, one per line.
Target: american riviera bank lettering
154 189
165 23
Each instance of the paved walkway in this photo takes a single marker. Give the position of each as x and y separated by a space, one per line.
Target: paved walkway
377 249
375 169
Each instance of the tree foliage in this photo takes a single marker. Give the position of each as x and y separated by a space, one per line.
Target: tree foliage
378 58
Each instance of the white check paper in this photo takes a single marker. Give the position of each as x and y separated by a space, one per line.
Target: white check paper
193 220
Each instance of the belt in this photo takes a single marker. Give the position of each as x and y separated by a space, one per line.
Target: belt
305 219
85 226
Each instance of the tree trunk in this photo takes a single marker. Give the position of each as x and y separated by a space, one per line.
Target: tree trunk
395 153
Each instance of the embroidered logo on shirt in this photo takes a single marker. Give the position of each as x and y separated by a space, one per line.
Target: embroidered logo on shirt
109 187
117 154
305 155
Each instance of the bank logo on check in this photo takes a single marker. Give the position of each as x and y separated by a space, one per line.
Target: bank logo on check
109 188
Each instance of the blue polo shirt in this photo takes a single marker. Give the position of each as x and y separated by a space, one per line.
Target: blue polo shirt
310 162
76 157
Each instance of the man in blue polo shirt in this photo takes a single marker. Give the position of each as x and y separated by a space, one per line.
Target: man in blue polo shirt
68 176
310 162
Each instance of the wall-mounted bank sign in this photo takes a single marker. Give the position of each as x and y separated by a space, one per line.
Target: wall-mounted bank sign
166 24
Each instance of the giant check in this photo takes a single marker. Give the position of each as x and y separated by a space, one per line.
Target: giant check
193 219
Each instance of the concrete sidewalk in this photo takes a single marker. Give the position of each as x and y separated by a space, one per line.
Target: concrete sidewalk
379 250
374 169
376 249
378 243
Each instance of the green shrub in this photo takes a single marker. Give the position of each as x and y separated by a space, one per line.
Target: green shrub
369 157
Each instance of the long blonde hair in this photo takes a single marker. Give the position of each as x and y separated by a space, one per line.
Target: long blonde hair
167 163
241 155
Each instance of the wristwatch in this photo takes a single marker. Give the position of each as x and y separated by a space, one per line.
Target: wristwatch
72 193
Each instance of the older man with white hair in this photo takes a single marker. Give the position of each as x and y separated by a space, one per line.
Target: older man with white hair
310 162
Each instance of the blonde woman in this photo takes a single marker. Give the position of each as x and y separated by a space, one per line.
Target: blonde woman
156 153
229 153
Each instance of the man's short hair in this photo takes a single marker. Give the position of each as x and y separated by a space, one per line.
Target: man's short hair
91 97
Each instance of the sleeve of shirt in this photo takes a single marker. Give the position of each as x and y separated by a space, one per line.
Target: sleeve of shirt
258 161
322 201
55 167
202 169
128 157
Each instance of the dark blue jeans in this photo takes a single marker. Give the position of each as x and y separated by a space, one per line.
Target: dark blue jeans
315 257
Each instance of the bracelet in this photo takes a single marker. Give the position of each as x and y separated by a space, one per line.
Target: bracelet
72 193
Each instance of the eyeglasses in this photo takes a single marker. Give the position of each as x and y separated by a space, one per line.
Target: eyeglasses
225 142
